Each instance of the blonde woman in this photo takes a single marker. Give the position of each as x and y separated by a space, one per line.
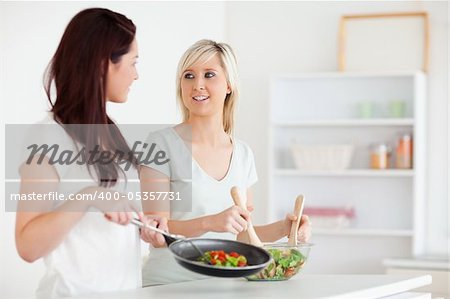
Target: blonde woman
207 92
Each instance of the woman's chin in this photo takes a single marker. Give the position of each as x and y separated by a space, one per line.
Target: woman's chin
118 100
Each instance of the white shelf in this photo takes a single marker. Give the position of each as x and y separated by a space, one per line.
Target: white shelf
375 122
346 173
358 232
346 74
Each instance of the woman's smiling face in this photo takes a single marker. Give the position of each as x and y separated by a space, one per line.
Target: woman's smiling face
204 87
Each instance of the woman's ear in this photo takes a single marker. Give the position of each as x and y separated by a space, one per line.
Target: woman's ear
106 64
229 89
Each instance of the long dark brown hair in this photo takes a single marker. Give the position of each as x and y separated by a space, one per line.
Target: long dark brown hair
78 73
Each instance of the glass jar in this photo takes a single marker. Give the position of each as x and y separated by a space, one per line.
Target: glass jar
380 156
403 151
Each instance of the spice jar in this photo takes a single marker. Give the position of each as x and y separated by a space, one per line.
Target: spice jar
403 151
380 156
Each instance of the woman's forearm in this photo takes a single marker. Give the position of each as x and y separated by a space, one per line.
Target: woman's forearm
38 233
266 233
271 232
190 228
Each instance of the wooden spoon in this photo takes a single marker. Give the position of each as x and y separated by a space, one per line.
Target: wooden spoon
298 210
253 237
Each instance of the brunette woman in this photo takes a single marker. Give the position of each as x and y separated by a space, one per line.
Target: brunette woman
87 246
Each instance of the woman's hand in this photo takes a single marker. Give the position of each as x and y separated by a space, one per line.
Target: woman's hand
150 236
233 220
119 210
123 217
304 230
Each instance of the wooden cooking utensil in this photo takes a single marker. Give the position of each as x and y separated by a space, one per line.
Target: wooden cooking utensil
298 210
253 237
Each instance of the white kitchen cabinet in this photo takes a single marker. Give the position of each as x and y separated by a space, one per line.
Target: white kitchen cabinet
325 108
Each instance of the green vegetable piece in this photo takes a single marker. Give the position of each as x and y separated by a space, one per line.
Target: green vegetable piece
232 260
242 258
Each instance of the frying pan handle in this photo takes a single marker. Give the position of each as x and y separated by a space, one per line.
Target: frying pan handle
253 237
298 210
169 238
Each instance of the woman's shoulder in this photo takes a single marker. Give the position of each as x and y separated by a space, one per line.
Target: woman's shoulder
164 133
46 131
163 138
48 119
243 149
50 128
241 144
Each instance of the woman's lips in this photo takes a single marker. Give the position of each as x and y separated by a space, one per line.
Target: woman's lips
200 98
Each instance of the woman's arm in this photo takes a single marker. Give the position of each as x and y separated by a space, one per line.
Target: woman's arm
39 232
280 229
152 180
230 220
39 229
272 232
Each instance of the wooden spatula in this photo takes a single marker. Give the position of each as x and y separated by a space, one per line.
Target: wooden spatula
253 237
298 210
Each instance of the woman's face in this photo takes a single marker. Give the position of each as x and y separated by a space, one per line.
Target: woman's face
204 88
121 75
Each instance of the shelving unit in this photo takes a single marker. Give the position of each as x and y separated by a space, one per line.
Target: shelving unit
348 122
346 173
322 108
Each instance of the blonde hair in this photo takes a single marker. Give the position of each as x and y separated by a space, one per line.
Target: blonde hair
203 50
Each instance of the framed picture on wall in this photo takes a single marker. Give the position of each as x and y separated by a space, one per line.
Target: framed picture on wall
380 42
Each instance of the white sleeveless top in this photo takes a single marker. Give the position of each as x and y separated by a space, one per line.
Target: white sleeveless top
208 196
97 255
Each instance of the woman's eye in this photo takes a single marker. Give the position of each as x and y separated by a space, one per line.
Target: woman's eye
209 74
188 76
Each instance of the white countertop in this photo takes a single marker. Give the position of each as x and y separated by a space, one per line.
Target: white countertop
301 286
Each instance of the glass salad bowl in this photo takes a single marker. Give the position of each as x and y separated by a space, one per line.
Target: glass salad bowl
287 261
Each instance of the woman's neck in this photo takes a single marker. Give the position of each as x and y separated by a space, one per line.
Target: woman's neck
208 131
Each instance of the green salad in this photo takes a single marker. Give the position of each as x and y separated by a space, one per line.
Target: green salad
286 263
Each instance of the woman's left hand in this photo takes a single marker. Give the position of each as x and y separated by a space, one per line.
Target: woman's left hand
304 231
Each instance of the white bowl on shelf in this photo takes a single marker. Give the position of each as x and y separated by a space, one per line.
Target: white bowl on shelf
322 156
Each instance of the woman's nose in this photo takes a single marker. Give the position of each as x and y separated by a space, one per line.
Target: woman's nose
199 84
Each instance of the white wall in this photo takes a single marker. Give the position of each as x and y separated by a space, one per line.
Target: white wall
438 131
269 37
284 37
30 33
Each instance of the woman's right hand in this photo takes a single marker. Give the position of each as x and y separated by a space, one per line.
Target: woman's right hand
233 220
152 237
118 210
122 218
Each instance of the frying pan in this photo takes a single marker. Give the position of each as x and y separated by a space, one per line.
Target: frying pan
186 252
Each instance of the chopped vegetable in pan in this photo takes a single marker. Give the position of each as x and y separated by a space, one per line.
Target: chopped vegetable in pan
222 259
